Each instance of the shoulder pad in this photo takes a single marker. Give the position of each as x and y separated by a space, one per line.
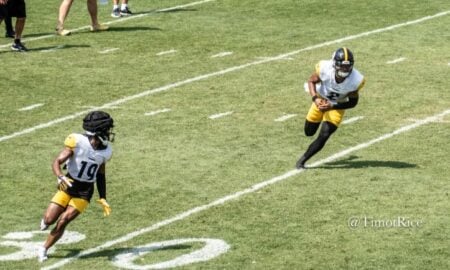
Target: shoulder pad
70 141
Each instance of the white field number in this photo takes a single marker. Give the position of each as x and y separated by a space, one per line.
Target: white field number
25 246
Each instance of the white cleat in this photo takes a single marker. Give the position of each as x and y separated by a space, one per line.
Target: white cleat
43 225
42 254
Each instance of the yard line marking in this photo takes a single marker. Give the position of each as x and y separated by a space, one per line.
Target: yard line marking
396 60
31 107
219 115
136 16
157 112
440 120
166 52
222 54
109 50
219 73
353 119
285 117
246 191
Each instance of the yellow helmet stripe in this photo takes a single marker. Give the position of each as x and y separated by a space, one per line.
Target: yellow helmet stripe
345 54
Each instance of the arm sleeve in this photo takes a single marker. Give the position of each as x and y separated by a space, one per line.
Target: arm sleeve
351 103
101 185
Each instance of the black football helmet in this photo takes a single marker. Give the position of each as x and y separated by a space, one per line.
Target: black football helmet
343 62
99 124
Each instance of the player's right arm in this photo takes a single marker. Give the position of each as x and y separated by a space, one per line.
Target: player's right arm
64 155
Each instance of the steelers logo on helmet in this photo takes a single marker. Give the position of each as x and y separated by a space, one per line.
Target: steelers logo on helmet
99 124
343 62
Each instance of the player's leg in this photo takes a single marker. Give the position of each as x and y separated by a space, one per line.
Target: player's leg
57 206
116 9
9 28
64 9
93 9
75 207
65 218
325 133
331 121
311 128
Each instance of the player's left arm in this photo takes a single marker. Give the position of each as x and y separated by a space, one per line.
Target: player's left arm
353 98
101 181
101 188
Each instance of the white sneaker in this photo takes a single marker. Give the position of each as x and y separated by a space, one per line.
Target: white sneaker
43 225
42 254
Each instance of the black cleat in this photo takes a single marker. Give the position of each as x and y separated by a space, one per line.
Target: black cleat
18 47
300 164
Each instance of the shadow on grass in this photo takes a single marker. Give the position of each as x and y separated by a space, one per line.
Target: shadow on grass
111 253
131 28
46 48
352 163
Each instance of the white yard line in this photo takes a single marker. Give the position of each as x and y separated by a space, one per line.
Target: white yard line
401 59
116 21
31 107
285 117
246 191
219 73
353 119
220 115
157 112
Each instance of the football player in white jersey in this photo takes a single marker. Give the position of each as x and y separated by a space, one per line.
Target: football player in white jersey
84 156
334 87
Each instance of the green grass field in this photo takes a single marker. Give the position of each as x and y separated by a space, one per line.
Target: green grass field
223 193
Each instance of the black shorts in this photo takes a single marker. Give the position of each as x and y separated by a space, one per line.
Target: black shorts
3 12
14 8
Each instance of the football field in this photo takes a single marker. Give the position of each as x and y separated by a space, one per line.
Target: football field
208 104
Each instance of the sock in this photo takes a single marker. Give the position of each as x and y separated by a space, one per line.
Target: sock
124 6
115 6
17 40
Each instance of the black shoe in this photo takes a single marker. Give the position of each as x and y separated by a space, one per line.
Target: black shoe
300 164
10 34
126 12
18 47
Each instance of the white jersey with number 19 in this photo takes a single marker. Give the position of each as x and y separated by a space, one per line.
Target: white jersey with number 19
85 161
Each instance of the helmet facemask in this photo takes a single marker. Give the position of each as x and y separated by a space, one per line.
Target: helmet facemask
343 62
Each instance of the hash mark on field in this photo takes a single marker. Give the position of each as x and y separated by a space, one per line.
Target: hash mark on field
353 119
157 112
222 54
396 60
285 58
219 115
166 52
31 107
238 194
109 50
285 117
